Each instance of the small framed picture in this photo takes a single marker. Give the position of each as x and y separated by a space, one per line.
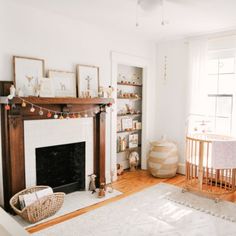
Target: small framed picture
133 140
27 73
127 124
46 87
87 80
64 83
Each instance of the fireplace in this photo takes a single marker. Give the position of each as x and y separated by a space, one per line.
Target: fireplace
18 148
59 161
61 167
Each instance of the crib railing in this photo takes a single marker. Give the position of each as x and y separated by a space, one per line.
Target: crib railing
200 176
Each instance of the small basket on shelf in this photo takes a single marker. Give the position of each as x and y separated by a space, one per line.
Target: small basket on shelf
39 210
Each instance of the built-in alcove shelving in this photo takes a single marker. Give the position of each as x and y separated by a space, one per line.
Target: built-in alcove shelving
129 112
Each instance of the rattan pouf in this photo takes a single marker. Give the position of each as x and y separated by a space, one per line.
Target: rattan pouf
163 159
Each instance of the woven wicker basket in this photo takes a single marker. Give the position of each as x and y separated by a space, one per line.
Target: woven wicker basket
39 210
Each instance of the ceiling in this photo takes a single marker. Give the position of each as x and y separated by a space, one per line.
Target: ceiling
186 17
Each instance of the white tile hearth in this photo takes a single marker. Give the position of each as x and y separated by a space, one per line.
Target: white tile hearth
147 213
73 201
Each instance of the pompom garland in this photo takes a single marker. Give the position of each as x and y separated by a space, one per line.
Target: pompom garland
7 107
58 114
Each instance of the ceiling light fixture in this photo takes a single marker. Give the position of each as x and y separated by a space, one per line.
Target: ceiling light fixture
163 20
149 5
137 18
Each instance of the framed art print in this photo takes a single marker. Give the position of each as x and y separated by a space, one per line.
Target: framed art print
133 140
87 80
127 124
64 83
27 73
46 87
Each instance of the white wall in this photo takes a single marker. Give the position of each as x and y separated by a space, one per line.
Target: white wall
222 43
172 93
63 43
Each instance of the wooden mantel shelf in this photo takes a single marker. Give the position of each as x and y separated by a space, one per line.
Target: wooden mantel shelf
76 101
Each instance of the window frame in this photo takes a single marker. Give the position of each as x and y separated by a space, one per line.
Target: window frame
219 55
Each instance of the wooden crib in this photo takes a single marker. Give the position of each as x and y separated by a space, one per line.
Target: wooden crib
200 176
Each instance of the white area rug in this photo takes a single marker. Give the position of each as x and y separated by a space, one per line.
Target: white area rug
73 201
147 213
223 209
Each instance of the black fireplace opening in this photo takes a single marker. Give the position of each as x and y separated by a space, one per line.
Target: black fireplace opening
61 167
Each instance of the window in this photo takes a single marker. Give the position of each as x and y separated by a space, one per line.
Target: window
221 88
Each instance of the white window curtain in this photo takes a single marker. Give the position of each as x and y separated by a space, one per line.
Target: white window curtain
197 93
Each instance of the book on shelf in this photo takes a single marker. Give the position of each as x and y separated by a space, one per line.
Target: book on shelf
118 128
135 124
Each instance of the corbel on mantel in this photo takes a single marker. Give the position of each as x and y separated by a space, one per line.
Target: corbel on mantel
12 124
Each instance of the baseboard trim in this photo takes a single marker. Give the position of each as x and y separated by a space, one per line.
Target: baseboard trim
181 169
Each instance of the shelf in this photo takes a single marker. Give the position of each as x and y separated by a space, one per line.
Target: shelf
127 84
130 149
129 131
135 99
130 115
66 100
225 73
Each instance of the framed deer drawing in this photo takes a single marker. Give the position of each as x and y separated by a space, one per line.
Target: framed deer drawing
64 83
27 73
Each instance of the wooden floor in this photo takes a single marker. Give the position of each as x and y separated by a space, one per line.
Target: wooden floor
128 183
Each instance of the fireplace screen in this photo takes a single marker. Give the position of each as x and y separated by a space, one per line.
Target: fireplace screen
61 167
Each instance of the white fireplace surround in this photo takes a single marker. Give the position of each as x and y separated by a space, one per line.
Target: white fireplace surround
44 133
